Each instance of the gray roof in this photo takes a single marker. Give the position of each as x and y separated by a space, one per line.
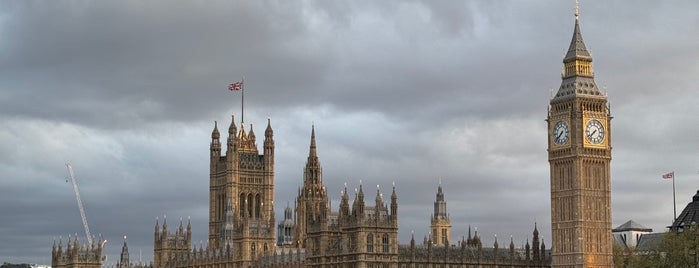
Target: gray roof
577 86
649 242
577 47
632 226
689 215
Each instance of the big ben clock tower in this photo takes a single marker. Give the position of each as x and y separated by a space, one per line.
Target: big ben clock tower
579 147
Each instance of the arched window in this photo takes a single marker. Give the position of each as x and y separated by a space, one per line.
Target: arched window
252 250
242 205
384 242
250 205
258 205
370 243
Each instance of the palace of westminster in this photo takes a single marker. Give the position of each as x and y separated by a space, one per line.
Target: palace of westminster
363 233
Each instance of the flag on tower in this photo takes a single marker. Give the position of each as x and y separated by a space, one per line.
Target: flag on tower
670 175
235 86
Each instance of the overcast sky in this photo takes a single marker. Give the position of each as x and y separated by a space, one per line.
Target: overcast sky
413 92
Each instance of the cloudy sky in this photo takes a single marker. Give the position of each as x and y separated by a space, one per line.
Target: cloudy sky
413 92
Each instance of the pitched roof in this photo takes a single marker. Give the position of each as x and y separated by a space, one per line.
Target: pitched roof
649 242
577 47
689 215
632 226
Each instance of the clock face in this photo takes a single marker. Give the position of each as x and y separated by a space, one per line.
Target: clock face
560 133
594 131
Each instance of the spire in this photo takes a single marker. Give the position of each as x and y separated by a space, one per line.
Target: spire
379 197
124 255
577 48
312 152
157 226
440 206
232 129
214 134
268 131
251 134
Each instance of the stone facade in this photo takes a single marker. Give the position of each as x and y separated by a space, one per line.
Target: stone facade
167 246
579 151
76 255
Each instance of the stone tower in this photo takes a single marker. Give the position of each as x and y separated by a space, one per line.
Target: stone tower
440 224
312 198
286 229
579 148
124 261
242 182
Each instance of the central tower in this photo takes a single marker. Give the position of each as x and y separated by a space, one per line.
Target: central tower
440 224
579 147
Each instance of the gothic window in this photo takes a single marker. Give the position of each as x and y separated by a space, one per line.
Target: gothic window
250 201
258 205
444 236
352 242
242 205
384 241
266 249
252 250
370 243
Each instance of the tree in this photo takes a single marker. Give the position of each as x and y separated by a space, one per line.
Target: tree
676 250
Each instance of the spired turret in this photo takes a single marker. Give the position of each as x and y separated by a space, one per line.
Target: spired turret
312 202
215 143
440 224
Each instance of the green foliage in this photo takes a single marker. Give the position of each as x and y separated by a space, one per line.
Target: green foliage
676 250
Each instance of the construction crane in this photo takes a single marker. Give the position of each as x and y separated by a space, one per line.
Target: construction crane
80 203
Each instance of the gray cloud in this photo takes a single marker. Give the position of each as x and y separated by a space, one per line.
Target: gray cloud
411 92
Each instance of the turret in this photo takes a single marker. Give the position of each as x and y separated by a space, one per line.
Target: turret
495 247
269 145
360 202
189 233
344 205
543 250
232 130
535 244
526 251
215 143
124 261
394 206
251 138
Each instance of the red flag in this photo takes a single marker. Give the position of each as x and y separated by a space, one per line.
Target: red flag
235 86
670 175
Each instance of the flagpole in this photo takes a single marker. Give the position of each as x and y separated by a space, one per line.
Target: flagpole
242 101
674 203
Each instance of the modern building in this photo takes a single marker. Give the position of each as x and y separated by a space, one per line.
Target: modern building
580 152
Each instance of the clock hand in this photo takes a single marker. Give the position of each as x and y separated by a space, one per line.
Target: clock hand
593 133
